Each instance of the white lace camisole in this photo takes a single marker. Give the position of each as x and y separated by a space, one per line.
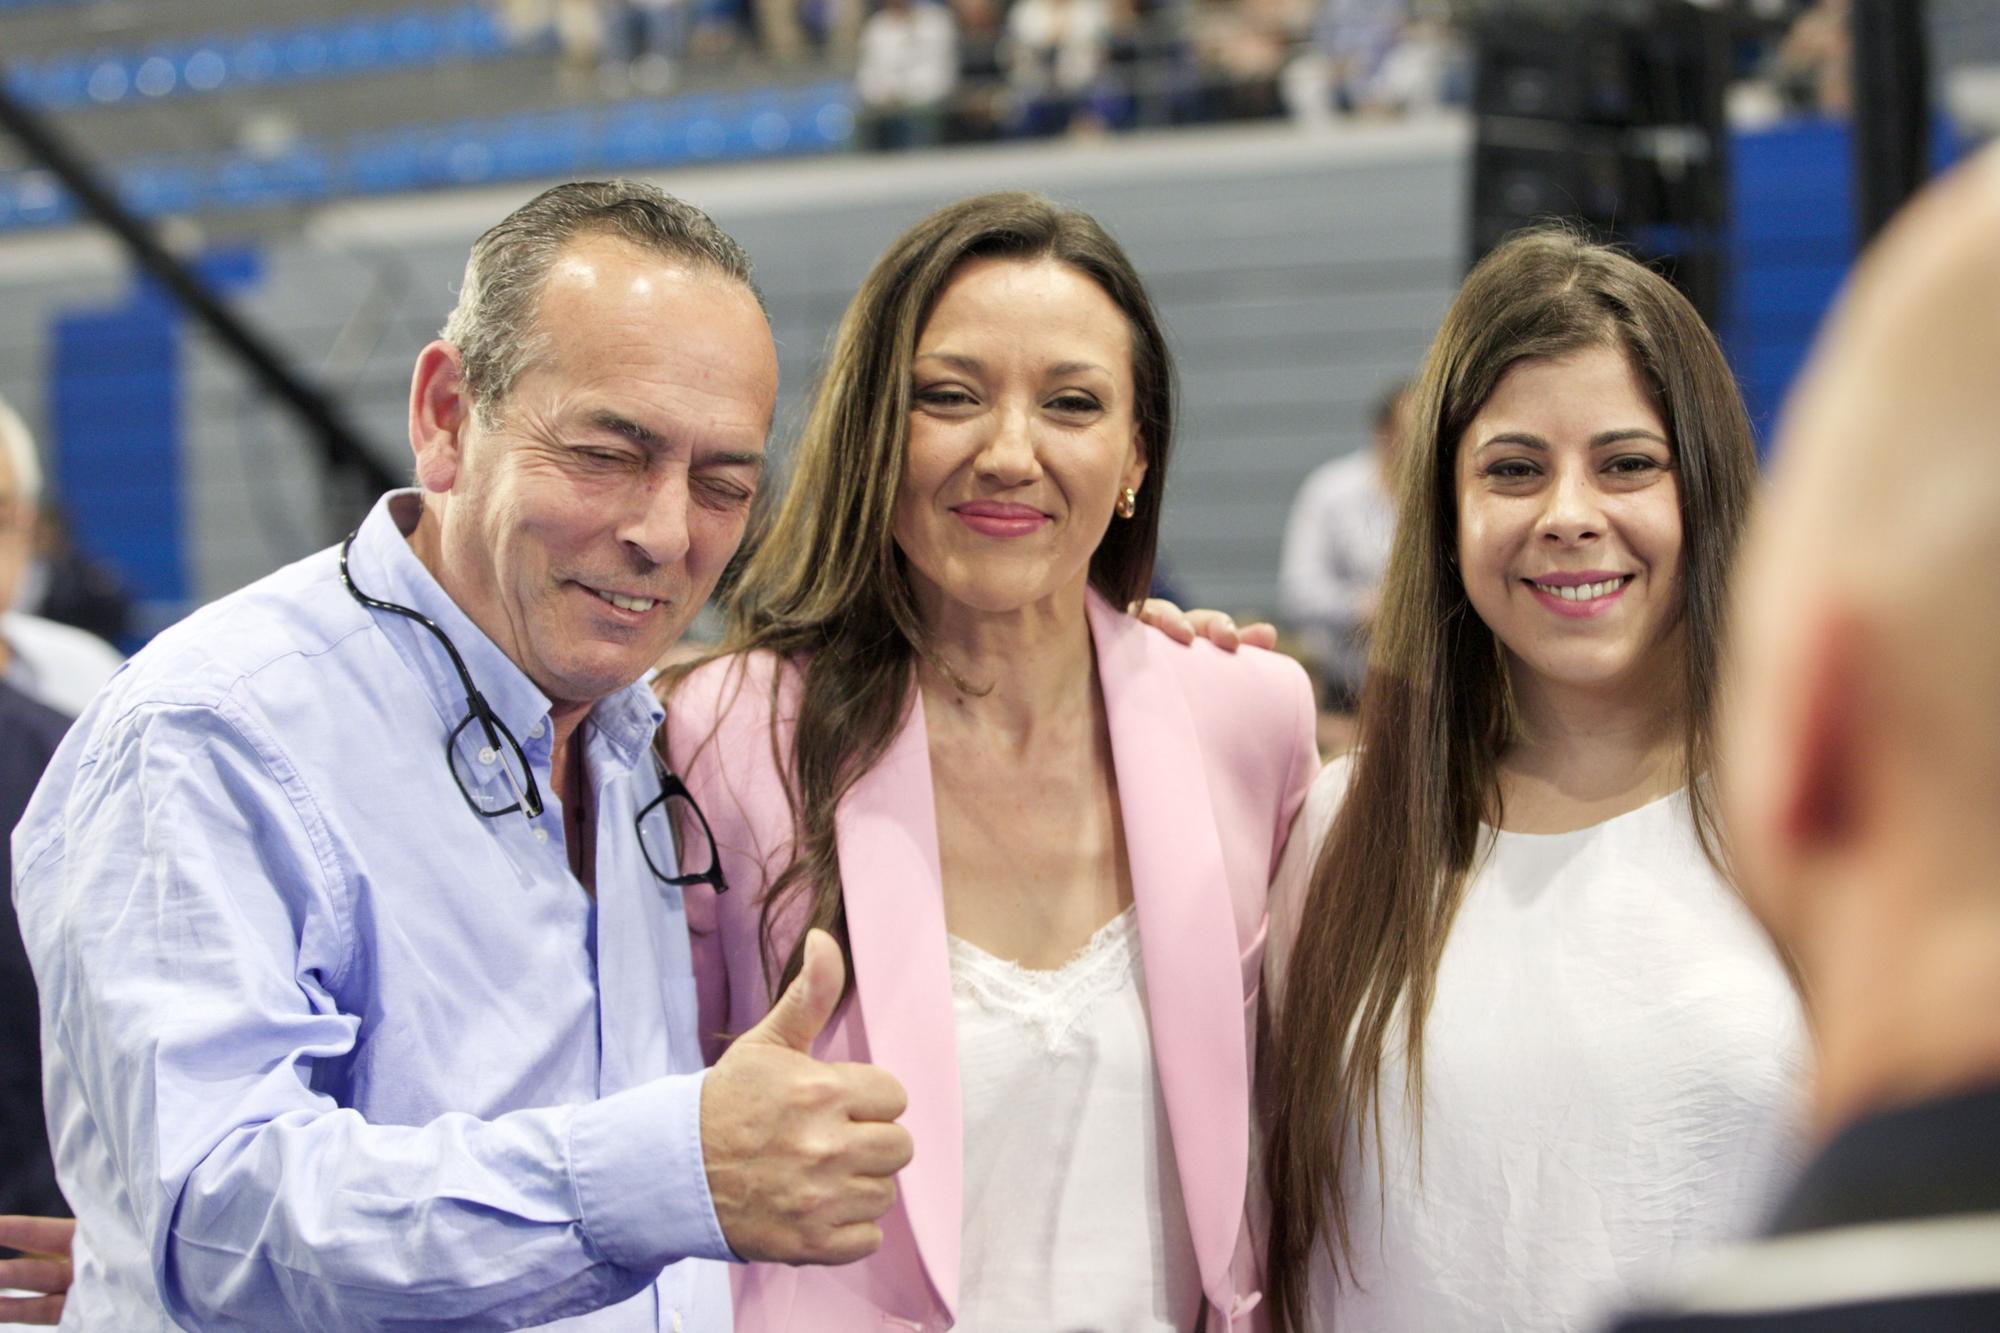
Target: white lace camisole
1073 1210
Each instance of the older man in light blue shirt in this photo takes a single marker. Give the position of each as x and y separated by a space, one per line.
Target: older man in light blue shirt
366 986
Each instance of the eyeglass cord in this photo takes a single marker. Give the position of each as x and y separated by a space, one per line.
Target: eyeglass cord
528 799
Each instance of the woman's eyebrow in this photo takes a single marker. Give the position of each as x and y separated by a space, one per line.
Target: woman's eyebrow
1603 438
958 361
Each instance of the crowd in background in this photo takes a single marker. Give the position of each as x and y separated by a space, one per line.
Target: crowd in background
962 71
956 71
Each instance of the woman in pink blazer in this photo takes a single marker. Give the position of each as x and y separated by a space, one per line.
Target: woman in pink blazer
1041 831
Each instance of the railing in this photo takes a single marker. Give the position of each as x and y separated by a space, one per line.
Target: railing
633 135
267 56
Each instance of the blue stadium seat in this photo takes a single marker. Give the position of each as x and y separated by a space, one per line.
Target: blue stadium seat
109 80
640 134
300 175
205 68
360 46
253 58
153 188
34 199
385 163
304 53
414 38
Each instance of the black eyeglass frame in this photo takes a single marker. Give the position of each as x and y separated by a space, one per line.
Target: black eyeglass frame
671 787
528 796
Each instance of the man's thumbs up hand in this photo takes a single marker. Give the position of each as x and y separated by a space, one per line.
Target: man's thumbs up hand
800 1153
796 1019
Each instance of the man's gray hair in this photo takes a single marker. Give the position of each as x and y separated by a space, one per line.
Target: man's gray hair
494 323
17 449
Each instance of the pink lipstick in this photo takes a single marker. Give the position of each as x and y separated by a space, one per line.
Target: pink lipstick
997 518
1579 594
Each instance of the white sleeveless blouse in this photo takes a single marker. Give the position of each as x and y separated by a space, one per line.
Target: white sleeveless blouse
1614 1072
1073 1211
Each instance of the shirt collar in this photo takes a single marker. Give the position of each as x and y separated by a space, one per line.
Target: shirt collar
382 565
1937 1158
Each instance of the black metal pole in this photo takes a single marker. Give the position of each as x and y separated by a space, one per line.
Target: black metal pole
1892 112
339 444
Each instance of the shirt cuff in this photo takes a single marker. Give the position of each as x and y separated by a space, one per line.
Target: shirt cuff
641 1185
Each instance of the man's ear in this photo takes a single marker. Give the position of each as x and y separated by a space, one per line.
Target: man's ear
440 412
1820 775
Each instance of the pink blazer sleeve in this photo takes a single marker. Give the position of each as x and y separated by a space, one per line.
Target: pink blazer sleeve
722 721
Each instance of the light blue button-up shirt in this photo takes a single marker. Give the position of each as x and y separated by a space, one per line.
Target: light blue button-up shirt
324 1048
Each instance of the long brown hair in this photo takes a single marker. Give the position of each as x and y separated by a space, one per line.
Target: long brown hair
825 588
1436 714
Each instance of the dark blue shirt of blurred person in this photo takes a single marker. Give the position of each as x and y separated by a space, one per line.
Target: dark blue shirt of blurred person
29 734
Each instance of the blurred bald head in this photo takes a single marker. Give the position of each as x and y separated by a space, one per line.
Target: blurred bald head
1863 768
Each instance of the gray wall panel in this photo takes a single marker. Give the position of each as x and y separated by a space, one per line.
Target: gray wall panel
1297 274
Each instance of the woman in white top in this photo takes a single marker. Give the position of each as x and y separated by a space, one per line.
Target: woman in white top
1042 832
1529 1047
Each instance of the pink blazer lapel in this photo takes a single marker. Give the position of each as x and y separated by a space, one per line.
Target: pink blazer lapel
893 885
1187 936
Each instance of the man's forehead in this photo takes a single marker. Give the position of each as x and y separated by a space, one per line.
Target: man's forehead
596 266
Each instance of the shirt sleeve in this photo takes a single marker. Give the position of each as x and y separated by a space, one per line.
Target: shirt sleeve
1319 586
1291 884
197 933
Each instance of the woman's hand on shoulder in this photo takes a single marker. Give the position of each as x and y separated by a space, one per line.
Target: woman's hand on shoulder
1215 626
42 1270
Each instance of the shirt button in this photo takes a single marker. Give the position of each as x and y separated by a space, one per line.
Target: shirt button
535 732
541 835
487 754
677 1322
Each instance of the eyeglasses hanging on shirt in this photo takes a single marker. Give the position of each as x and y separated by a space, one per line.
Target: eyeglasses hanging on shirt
501 750
678 808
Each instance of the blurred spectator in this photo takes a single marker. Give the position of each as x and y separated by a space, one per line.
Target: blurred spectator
67 584
1241 48
29 734
1374 58
56 665
526 22
1424 69
651 38
779 34
908 68
979 109
579 29
1054 52
1813 65
1355 37
1336 547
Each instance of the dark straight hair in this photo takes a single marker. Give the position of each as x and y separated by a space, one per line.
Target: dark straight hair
1436 713
825 587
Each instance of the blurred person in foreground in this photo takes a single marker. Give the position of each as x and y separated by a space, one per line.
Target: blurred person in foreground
29 735
1529 1047
365 1003
30 731
1042 831
1337 545
1863 786
57 665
